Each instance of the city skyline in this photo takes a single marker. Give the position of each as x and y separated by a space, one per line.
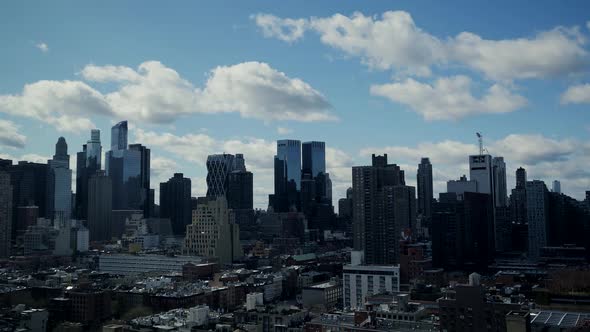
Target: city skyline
367 99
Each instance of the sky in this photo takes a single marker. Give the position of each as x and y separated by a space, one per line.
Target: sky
410 79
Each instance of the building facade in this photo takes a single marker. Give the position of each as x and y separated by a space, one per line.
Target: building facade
175 202
5 214
289 151
100 191
211 233
424 184
537 199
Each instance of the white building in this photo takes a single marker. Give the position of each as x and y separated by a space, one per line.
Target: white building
461 186
363 280
123 264
480 171
211 233
536 202
198 316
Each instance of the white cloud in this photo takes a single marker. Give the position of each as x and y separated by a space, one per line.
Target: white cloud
288 30
544 158
158 94
552 53
449 98
576 94
9 135
63 104
43 47
394 41
284 130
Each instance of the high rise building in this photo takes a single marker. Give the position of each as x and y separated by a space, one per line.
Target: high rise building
556 188
499 176
375 228
5 214
218 168
211 233
461 186
128 169
144 178
537 209
480 171
462 231
119 136
314 158
289 151
88 161
425 192
240 190
100 206
60 181
175 202
29 183
520 177
518 212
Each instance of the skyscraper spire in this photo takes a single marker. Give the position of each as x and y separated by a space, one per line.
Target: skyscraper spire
61 150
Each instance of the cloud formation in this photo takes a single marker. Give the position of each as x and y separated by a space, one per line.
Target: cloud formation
157 94
449 98
9 135
42 46
576 94
62 104
394 41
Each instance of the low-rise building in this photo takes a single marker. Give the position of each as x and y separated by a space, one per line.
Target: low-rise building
322 297
127 264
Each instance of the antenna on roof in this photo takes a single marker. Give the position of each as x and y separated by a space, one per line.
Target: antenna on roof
480 140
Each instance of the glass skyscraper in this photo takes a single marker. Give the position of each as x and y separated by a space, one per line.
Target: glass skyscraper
290 151
119 136
314 158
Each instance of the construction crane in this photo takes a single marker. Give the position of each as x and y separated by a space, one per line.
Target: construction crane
480 140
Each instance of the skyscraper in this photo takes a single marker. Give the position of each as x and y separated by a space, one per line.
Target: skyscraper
480 170
425 192
537 206
556 188
211 233
88 161
218 168
240 190
5 214
518 212
128 170
520 177
375 229
100 206
314 158
144 178
290 151
499 175
175 202
119 136
60 181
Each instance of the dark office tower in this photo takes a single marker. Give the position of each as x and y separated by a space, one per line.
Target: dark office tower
404 209
290 151
5 214
144 178
314 158
537 203
462 232
520 177
239 163
374 224
29 187
218 168
88 161
499 178
60 181
240 191
278 200
425 192
119 136
175 202
100 206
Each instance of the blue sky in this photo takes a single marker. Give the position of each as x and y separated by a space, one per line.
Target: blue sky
406 78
